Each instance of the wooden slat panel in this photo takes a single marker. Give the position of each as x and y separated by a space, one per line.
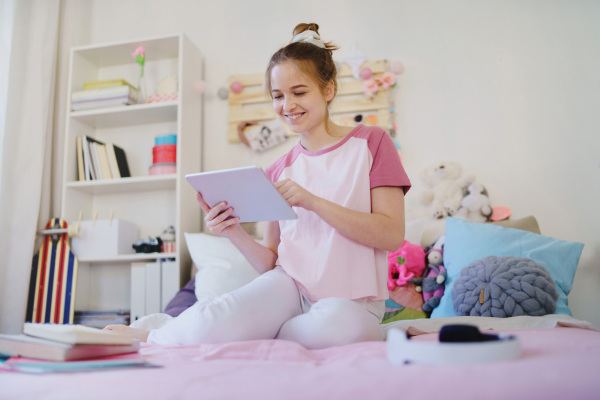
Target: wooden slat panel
255 79
378 67
253 104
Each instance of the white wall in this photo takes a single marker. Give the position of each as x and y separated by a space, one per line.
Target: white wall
510 89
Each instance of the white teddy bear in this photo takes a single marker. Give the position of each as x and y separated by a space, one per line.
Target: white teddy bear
475 206
447 188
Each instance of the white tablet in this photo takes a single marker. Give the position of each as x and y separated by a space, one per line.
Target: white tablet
248 190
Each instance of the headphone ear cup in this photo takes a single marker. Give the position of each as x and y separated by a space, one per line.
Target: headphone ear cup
459 333
464 333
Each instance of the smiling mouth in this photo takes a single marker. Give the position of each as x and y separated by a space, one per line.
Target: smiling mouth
294 117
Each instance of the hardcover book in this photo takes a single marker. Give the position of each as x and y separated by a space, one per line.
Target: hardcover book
74 334
45 349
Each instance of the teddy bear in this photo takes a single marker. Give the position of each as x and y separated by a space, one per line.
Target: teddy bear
475 206
447 186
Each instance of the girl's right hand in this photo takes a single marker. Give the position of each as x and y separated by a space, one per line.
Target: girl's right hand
218 218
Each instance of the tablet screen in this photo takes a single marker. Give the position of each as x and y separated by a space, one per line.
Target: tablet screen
248 190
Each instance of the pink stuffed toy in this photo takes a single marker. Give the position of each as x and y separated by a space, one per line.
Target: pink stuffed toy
405 264
433 280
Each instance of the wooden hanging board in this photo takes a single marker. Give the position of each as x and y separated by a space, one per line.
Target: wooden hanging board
253 104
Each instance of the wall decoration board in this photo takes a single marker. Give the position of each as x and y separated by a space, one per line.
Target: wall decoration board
251 103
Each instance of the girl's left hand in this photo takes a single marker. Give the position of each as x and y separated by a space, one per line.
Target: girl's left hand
295 195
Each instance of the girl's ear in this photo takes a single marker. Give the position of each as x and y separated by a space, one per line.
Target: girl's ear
329 91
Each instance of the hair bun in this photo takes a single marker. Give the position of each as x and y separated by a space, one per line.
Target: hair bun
305 27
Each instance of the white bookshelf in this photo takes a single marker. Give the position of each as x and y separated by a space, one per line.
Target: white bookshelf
152 202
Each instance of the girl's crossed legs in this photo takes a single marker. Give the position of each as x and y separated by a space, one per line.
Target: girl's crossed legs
271 307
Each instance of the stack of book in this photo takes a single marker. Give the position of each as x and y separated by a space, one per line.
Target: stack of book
101 94
99 160
66 342
101 318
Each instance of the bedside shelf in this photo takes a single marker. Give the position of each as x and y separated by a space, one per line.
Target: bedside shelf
151 203
132 184
128 258
134 114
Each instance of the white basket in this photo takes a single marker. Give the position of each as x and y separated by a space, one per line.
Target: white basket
104 238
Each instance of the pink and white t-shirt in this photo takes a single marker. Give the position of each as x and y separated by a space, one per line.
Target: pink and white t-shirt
322 261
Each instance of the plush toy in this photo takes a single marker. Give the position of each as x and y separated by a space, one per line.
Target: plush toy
475 206
434 279
447 188
405 264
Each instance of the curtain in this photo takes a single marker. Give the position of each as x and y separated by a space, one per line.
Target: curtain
25 172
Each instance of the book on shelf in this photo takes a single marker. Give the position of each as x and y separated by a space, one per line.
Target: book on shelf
101 318
99 160
117 154
80 166
103 97
96 159
60 342
87 159
153 286
103 161
103 103
104 93
138 290
105 84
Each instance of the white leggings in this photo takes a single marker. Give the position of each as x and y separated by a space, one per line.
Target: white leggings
269 307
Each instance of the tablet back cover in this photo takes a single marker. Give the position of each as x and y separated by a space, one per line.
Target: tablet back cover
247 189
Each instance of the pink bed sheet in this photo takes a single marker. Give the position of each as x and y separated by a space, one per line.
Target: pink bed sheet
558 363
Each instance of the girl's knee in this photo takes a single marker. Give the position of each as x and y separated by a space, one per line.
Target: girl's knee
333 322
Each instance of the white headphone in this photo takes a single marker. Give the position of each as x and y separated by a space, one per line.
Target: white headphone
472 349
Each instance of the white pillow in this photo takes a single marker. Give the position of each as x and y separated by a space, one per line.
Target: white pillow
221 266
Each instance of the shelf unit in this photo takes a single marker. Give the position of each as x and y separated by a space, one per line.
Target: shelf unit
152 202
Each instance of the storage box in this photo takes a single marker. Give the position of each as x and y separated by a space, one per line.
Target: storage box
104 238
163 168
164 153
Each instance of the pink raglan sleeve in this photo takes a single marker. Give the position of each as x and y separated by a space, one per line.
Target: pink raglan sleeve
387 169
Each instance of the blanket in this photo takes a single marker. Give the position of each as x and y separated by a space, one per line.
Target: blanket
561 362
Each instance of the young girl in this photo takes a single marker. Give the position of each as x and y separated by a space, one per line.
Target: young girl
324 274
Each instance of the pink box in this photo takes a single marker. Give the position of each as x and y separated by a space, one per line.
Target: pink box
163 168
164 153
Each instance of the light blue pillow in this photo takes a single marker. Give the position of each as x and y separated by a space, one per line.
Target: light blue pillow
467 241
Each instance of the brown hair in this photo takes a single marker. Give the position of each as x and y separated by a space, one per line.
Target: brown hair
314 61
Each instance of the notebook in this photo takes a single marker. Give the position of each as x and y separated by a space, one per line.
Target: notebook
247 189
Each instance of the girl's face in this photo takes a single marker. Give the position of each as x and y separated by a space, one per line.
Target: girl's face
297 98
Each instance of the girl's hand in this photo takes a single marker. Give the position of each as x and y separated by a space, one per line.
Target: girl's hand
217 218
296 195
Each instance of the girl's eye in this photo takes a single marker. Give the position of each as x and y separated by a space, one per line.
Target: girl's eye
278 97
300 94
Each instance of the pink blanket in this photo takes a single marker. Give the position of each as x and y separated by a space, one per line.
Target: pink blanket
557 363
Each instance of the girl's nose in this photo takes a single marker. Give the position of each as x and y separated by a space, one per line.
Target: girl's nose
289 105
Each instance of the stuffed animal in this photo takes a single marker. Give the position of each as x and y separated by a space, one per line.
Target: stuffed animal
475 206
447 188
405 264
434 279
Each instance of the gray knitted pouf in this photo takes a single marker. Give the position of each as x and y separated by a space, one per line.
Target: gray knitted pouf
504 287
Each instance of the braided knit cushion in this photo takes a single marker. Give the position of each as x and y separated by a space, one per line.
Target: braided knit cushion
504 287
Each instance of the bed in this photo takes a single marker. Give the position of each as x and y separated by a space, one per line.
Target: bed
557 362
560 355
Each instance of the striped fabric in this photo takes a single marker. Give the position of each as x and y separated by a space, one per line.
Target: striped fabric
53 279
